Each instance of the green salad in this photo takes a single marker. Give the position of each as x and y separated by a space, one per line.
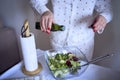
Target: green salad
63 63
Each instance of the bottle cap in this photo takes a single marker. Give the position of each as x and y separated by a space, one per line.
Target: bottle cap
62 27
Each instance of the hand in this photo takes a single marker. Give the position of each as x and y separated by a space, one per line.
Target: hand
99 24
46 21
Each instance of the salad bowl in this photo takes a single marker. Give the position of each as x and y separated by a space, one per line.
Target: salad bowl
66 62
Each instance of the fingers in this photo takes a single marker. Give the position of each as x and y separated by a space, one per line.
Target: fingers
49 24
42 24
50 21
99 24
46 22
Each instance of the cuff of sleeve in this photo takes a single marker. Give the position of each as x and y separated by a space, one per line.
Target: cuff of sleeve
42 9
107 16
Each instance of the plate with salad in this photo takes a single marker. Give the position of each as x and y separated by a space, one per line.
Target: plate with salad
65 62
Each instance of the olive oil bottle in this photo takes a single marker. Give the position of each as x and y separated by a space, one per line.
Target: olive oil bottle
54 27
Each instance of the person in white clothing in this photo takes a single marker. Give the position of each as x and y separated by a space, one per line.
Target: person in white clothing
79 20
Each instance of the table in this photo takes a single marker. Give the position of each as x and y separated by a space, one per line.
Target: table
93 72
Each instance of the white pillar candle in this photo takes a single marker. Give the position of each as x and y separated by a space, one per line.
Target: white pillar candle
29 52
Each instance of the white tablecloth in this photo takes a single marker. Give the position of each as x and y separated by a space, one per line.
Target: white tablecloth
93 72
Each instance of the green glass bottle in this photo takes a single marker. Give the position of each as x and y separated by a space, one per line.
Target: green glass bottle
55 27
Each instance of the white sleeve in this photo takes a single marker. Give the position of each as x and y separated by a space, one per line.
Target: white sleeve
40 5
103 7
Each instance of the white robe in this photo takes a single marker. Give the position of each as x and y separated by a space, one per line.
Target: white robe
76 16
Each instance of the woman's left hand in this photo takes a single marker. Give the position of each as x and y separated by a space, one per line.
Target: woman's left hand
99 23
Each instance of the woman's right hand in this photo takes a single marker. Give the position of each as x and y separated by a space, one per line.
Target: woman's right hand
46 21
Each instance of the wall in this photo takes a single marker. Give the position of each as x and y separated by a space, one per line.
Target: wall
109 40
14 12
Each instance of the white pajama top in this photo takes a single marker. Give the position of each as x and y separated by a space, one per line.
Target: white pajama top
77 17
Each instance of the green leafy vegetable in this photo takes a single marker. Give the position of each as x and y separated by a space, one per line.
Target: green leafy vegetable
62 63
